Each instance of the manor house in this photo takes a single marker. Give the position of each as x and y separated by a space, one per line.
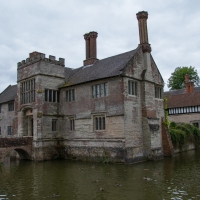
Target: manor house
110 108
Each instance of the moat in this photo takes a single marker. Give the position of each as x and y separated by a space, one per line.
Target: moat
171 178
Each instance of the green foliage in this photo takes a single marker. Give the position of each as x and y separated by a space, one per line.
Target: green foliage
182 133
167 122
105 158
177 79
172 125
165 102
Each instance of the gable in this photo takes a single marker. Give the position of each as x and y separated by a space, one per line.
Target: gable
8 94
156 73
134 67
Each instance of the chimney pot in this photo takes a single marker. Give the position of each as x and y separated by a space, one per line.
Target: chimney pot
189 85
143 33
91 49
186 78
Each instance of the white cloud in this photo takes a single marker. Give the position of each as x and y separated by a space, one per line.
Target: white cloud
57 27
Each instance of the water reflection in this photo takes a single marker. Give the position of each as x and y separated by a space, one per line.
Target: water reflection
172 178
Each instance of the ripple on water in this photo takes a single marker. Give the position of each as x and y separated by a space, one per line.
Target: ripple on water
172 178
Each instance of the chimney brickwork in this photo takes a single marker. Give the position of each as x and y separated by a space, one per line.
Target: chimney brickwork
91 48
143 33
189 85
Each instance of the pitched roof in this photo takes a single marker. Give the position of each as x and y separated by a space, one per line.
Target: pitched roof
179 98
104 68
8 94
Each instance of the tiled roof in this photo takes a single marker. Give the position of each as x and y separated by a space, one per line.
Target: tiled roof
104 68
8 94
179 98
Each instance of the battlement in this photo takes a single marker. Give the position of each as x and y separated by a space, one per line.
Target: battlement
37 56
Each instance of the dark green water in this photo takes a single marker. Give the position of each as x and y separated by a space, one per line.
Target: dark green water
171 178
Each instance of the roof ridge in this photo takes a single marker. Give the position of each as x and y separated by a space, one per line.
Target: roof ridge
118 54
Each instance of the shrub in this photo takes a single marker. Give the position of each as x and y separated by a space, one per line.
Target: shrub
181 133
172 125
178 137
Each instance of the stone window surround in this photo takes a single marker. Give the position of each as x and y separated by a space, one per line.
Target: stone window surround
158 92
27 91
70 95
11 106
132 87
99 122
54 125
51 95
195 123
100 90
9 130
72 123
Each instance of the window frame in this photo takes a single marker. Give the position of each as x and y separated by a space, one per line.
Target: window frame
70 95
132 87
27 91
52 96
54 125
100 90
99 123
9 130
11 106
196 124
72 124
158 92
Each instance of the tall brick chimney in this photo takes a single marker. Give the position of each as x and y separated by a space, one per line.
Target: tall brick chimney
143 33
189 85
91 48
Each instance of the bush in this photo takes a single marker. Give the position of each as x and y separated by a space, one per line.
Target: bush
182 133
172 125
178 137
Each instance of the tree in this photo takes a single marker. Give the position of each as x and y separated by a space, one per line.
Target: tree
177 79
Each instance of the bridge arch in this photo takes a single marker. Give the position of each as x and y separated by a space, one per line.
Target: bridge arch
23 153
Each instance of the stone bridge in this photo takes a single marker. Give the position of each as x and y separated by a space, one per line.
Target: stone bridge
22 145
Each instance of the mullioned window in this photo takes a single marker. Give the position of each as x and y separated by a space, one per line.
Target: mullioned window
27 91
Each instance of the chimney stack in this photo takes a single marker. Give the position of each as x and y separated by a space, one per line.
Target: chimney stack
189 86
143 33
91 49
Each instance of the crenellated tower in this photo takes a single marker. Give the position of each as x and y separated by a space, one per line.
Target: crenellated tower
39 79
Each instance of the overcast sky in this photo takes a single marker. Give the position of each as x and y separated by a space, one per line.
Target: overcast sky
56 27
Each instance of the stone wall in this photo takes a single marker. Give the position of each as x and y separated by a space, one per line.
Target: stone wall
22 145
185 118
7 118
85 108
186 147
